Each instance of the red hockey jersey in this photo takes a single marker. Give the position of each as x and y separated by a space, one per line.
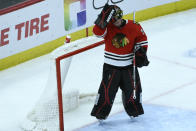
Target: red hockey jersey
134 36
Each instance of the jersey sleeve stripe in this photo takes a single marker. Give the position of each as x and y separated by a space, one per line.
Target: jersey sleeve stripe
142 43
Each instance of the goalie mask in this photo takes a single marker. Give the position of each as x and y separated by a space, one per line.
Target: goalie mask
118 14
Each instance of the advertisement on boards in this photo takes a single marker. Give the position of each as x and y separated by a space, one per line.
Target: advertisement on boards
48 20
82 13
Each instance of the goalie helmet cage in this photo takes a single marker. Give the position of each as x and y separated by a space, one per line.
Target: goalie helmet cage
58 76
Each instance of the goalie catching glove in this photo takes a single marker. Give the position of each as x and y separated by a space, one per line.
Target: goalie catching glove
108 13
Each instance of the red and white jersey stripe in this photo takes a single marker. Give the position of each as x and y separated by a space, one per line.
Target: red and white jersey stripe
118 60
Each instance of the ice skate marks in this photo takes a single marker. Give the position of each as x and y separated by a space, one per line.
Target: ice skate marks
156 118
191 53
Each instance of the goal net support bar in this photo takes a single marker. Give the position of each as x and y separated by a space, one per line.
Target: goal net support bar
58 76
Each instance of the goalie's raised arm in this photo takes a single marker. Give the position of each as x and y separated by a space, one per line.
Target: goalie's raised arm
110 14
105 16
99 32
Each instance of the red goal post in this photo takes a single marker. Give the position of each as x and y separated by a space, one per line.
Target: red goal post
58 76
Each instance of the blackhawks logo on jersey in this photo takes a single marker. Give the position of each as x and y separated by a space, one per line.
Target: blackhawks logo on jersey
120 40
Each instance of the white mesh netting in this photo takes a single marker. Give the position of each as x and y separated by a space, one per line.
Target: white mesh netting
45 115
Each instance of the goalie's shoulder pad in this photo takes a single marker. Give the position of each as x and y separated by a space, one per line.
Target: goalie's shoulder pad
137 23
133 22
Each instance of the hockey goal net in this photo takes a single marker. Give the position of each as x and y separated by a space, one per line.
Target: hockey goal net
74 78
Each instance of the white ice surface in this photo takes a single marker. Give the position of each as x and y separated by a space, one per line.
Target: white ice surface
169 81
156 118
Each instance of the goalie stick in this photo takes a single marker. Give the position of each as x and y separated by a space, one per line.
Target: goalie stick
134 66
